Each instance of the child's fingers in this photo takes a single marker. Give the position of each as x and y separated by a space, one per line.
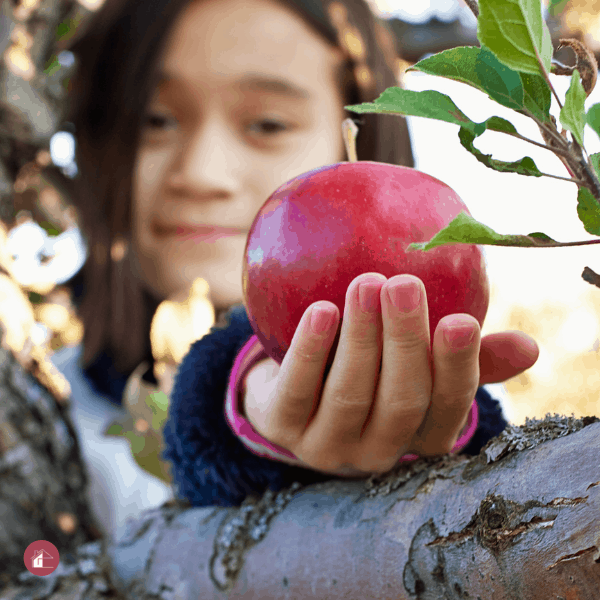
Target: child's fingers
506 354
334 433
456 379
405 383
301 375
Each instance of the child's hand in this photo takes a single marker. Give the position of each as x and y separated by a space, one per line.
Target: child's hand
361 422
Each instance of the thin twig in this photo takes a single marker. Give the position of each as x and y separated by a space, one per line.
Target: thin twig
472 4
555 150
547 78
553 133
579 182
560 106
585 152
551 130
557 245
590 276
589 171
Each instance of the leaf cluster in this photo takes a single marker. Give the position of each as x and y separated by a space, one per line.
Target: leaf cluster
511 67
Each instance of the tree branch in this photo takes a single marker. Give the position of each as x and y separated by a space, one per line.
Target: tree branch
431 529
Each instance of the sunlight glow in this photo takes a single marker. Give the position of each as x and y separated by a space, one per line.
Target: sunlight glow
91 4
19 63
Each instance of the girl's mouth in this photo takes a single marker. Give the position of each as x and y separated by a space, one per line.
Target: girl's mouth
203 233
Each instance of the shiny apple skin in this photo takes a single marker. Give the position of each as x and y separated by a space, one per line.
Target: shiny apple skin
322 229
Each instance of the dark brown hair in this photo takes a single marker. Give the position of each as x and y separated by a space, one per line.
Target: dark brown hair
113 84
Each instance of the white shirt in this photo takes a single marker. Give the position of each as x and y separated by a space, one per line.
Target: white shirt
118 487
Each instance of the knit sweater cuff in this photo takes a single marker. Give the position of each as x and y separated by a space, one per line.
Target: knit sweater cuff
253 352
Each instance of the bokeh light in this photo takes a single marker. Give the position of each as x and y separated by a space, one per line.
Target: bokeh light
62 148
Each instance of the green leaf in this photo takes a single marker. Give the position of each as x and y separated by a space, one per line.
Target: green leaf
49 228
35 298
115 429
494 124
555 7
537 96
67 29
52 66
125 429
479 68
588 210
500 82
525 166
159 403
593 118
515 31
146 448
595 160
464 229
572 114
429 104
434 105
137 442
63 29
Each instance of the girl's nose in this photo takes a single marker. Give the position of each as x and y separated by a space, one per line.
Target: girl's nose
211 160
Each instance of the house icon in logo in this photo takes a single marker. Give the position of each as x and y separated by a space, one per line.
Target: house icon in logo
38 559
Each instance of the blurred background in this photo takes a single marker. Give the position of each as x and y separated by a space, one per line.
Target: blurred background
538 291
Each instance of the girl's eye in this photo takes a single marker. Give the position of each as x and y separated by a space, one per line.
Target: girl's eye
156 121
268 127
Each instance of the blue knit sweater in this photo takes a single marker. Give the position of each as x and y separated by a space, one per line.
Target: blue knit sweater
210 465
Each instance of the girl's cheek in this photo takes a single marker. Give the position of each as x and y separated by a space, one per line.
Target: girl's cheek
151 167
310 152
148 181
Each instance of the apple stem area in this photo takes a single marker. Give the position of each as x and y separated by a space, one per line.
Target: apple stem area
350 131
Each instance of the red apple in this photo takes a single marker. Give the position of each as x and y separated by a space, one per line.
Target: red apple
319 231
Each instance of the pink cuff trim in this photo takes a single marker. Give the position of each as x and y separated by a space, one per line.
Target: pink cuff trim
253 352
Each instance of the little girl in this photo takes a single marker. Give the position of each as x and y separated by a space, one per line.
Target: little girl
188 115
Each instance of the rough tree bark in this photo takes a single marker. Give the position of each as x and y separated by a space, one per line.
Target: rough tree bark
506 525
31 105
521 521
42 478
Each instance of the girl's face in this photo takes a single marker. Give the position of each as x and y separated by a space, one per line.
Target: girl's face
248 100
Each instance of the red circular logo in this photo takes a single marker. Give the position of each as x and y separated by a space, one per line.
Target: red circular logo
41 557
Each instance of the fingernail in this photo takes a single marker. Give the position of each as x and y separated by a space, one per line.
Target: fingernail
531 344
368 296
405 296
459 337
321 319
